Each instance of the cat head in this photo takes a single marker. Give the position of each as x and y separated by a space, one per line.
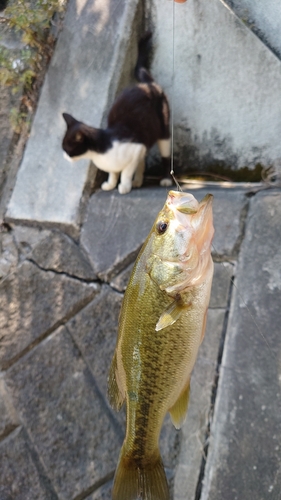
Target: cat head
76 139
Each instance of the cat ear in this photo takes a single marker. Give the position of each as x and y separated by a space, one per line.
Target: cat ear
70 120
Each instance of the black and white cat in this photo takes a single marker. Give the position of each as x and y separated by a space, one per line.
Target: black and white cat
138 119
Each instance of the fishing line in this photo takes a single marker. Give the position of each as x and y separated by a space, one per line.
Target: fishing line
172 173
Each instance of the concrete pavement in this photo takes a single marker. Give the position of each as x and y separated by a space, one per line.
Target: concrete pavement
59 313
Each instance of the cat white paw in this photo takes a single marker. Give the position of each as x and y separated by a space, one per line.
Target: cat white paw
106 186
124 188
166 182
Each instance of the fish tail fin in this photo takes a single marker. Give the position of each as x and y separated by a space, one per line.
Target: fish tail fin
133 482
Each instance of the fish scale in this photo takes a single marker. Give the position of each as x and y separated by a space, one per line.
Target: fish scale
161 326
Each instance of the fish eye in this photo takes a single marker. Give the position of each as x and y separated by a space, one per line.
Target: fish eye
161 226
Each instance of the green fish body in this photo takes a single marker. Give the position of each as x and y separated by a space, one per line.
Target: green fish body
161 327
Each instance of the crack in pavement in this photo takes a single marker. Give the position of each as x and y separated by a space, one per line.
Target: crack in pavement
214 395
95 486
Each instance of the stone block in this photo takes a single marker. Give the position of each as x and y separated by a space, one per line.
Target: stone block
57 252
8 417
8 254
169 444
20 478
116 226
120 281
94 329
65 417
194 430
82 79
34 302
244 454
103 493
27 238
229 209
223 272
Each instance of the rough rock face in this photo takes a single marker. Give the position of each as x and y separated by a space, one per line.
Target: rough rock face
33 303
58 333
57 252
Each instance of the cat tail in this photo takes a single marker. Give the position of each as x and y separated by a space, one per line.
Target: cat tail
141 69
133 482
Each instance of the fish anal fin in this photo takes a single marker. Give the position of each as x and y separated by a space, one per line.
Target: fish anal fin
115 396
170 315
179 409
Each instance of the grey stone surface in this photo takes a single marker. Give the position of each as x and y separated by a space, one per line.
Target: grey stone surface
67 421
27 238
229 210
8 254
169 445
224 112
19 475
244 457
120 281
223 272
82 79
195 428
33 303
263 18
116 226
57 252
94 330
8 417
103 493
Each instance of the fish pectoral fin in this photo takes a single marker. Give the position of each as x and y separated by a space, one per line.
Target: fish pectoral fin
179 410
115 396
170 315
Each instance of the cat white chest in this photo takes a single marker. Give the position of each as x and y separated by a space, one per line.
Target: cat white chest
118 157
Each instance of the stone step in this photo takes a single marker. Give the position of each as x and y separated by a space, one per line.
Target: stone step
244 455
94 55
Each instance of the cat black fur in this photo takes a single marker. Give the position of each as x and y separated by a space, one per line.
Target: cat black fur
138 117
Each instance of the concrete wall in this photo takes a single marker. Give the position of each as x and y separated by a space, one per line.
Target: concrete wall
227 99
263 17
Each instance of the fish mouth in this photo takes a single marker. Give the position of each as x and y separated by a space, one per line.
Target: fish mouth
193 218
187 210
192 222
184 203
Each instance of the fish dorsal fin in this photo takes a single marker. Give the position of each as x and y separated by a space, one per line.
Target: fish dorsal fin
170 315
115 396
179 410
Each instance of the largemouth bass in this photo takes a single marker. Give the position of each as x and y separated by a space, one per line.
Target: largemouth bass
161 327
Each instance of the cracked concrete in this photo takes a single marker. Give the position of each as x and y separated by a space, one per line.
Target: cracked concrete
59 306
